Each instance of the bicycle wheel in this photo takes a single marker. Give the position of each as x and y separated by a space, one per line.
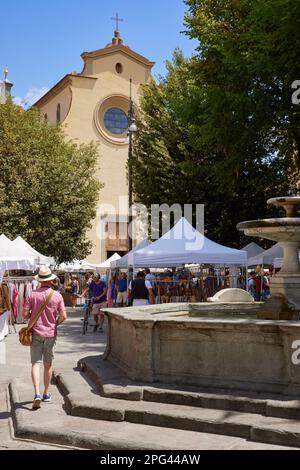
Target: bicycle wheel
85 321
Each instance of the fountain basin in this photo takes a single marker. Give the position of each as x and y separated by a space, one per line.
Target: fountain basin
186 344
279 230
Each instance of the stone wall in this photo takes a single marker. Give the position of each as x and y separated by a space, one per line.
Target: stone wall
164 344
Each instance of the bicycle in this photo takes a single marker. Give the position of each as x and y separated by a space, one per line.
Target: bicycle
87 313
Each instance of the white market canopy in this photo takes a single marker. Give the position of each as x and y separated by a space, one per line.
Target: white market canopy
267 257
12 257
185 245
253 249
278 262
126 260
107 263
21 244
75 266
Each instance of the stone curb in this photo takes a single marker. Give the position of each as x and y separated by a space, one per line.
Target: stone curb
289 409
66 437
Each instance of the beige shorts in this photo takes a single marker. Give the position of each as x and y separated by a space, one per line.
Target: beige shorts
122 297
42 349
98 307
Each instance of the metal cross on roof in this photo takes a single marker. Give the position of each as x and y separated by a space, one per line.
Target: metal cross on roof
117 19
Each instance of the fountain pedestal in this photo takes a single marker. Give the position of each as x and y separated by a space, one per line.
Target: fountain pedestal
289 286
285 285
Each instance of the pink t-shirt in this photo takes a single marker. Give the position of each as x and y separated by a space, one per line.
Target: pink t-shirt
46 325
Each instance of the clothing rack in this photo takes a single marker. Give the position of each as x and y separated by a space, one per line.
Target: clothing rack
22 279
19 280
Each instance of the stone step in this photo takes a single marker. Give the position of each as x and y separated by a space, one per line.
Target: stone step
112 383
84 402
51 425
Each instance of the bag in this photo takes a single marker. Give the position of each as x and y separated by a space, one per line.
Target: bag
25 334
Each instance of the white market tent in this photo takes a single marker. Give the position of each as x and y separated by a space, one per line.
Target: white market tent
125 260
76 266
267 257
278 262
107 263
253 249
13 257
21 244
185 245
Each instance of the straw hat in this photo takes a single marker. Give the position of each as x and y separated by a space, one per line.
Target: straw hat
45 274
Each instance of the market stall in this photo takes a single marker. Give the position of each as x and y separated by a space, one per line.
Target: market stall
253 249
23 246
267 257
183 244
109 262
13 257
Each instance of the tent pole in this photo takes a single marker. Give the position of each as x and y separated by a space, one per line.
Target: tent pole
261 280
11 317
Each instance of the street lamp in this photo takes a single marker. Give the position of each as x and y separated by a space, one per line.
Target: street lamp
132 128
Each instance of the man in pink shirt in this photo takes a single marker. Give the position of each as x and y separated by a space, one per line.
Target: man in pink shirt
44 331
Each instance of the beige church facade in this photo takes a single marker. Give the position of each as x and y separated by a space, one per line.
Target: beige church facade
93 106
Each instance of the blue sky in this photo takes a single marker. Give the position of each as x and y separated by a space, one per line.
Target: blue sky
41 40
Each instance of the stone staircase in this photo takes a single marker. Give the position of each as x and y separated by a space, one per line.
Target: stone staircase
96 407
99 391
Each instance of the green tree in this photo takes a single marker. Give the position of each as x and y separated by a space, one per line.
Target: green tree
244 69
230 107
48 189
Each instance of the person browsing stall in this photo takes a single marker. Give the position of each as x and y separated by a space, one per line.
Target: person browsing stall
98 290
140 291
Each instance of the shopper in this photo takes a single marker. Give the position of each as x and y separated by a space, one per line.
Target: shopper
49 304
141 291
122 291
98 290
210 283
74 291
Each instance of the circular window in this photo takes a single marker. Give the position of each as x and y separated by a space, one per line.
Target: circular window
119 68
116 121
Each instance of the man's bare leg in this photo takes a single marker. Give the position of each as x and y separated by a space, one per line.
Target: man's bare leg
35 375
47 377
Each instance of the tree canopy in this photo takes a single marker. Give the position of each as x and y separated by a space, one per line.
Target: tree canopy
220 128
48 189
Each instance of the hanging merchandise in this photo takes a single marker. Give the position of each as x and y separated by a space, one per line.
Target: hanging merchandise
18 289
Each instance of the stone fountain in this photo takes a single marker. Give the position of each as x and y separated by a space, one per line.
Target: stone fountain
286 230
226 344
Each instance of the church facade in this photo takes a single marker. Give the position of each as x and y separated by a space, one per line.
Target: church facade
93 106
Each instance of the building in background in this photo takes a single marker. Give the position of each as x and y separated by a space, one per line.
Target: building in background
93 106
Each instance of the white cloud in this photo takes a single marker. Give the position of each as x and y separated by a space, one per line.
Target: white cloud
32 95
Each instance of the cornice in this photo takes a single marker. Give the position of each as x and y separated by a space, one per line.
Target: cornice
61 85
109 50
